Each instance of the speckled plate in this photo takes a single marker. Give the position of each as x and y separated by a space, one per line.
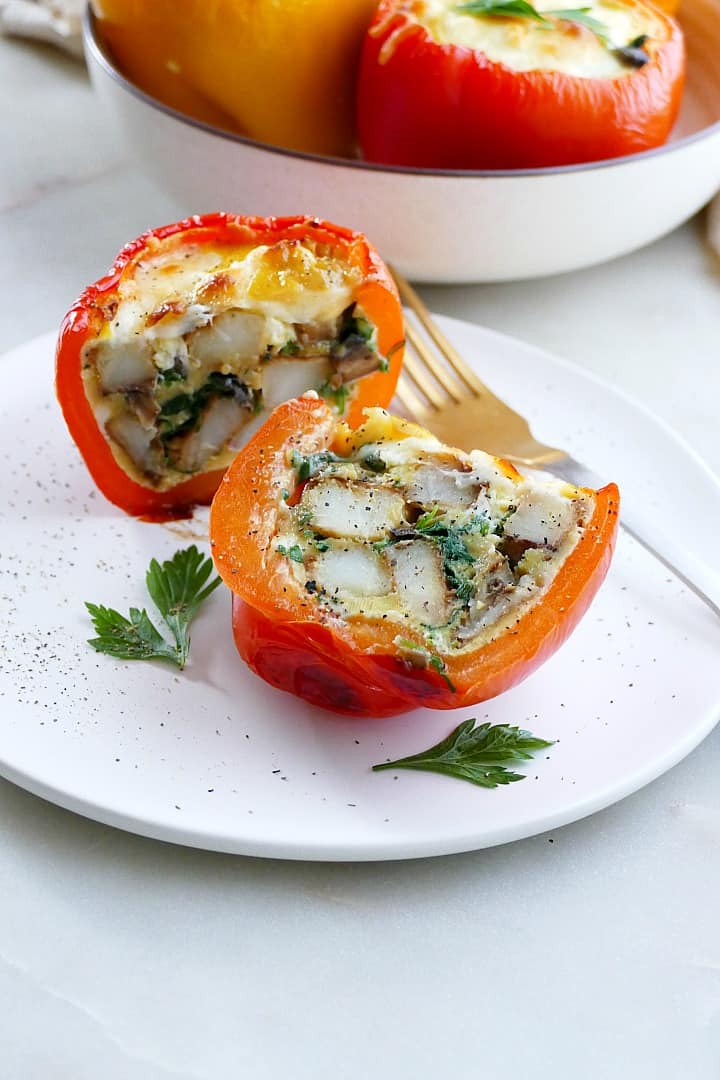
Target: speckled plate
214 758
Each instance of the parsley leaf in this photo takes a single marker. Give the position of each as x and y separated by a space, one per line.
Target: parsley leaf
522 9
476 754
178 586
127 639
507 8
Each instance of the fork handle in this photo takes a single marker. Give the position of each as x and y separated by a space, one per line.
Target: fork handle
695 574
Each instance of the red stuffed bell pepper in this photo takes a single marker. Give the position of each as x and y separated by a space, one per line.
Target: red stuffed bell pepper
377 570
502 84
167 365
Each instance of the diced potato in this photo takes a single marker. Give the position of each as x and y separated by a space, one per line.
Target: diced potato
449 488
123 366
234 335
420 582
353 569
220 421
135 439
351 510
285 379
542 516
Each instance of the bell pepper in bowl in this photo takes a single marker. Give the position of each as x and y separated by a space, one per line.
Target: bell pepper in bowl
513 84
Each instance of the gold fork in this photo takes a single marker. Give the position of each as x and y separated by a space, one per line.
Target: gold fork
447 397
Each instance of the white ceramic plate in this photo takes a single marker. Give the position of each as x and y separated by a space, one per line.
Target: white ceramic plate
445 226
214 758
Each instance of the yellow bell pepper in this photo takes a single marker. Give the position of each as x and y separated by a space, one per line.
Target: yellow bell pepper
281 71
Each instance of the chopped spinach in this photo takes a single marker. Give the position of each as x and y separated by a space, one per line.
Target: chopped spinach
312 464
336 395
373 462
181 413
294 552
171 375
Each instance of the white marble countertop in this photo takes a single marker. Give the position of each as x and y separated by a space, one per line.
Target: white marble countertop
592 952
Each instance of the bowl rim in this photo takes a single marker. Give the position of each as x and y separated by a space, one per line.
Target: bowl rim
101 57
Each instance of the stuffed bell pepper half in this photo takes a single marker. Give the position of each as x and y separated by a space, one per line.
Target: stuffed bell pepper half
377 570
168 364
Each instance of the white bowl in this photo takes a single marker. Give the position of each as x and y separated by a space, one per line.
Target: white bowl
442 225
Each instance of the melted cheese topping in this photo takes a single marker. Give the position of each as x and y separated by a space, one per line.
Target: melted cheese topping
200 342
446 544
288 282
526 44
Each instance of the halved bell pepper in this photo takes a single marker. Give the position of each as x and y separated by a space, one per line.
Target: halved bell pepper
458 85
377 570
166 365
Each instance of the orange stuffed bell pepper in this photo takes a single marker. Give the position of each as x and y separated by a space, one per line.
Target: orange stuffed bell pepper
377 570
507 84
168 364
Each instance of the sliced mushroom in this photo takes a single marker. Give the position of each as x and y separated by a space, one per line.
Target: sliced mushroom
358 360
144 405
420 581
353 569
493 596
124 366
352 510
222 418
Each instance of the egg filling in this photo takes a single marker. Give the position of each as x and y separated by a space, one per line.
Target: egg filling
603 39
199 343
450 546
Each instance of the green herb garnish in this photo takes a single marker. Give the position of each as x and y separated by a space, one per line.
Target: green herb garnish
373 463
522 9
290 348
310 465
294 552
178 588
476 754
449 539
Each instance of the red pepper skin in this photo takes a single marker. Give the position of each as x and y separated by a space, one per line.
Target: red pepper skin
353 667
428 105
377 295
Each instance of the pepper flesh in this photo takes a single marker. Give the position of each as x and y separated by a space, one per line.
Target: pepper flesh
428 104
350 665
376 294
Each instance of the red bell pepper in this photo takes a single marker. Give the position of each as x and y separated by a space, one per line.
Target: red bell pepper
440 105
375 294
370 664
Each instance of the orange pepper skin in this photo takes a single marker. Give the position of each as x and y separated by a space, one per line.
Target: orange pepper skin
351 666
426 104
376 293
281 71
